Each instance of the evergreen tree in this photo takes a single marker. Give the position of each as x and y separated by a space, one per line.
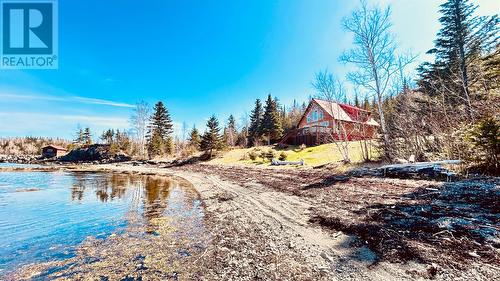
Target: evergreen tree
254 130
161 121
211 139
156 145
160 130
108 136
87 136
79 136
271 123
230 132
194 138
122 140
169 146
356 100
459 43
366 104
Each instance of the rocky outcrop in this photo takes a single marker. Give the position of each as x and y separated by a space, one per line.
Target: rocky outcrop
21 159
100 153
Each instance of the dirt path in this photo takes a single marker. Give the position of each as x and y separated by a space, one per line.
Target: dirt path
267 235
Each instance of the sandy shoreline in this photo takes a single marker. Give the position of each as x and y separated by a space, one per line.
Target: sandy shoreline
258 232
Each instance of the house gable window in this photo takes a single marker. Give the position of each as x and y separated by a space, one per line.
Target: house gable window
315 115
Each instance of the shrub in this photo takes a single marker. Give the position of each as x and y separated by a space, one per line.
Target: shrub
485 137
269 155
244 157
253 155
282 156
188 151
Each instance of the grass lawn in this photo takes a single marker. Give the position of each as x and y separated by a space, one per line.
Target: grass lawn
313 156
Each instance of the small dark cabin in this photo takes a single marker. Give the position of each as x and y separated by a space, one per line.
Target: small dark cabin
51 151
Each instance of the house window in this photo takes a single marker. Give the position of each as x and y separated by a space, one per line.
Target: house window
325 123
315 115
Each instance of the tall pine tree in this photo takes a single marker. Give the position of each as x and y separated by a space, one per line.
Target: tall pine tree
462 39
160 130
87 136
254 130
356 100
211 140
230 133
271 123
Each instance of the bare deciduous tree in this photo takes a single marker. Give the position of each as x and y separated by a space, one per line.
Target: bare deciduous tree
331 89
243 127
139 122
374 53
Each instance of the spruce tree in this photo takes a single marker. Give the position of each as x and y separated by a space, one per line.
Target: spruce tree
156 145
230 131
271 123
211 139
169 146
79 136
108 136
254 130
194 138
161 121
459 43
160 130
87 136
356 100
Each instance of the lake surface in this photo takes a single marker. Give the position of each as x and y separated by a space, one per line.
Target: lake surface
44 216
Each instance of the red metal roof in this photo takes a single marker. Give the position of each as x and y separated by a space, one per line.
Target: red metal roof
56 147
345 112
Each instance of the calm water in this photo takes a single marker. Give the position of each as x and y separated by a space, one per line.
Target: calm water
46 215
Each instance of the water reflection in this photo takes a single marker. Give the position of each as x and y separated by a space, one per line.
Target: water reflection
154 192
69 207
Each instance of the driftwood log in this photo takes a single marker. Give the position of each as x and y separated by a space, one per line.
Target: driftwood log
276 162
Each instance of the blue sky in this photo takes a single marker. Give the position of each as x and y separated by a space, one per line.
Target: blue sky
198 57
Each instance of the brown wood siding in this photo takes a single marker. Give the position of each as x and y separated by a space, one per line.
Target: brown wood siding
314 134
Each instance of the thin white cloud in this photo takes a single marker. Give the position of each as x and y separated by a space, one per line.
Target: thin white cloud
10 95
103 102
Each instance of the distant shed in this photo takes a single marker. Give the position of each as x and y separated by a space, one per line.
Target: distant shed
51 151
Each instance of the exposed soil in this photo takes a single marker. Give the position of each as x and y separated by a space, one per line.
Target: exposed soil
452 228
311 224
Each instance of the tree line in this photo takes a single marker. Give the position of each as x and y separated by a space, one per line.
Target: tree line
449 109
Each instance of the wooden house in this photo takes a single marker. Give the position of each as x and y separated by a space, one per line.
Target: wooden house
326 121
51 151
